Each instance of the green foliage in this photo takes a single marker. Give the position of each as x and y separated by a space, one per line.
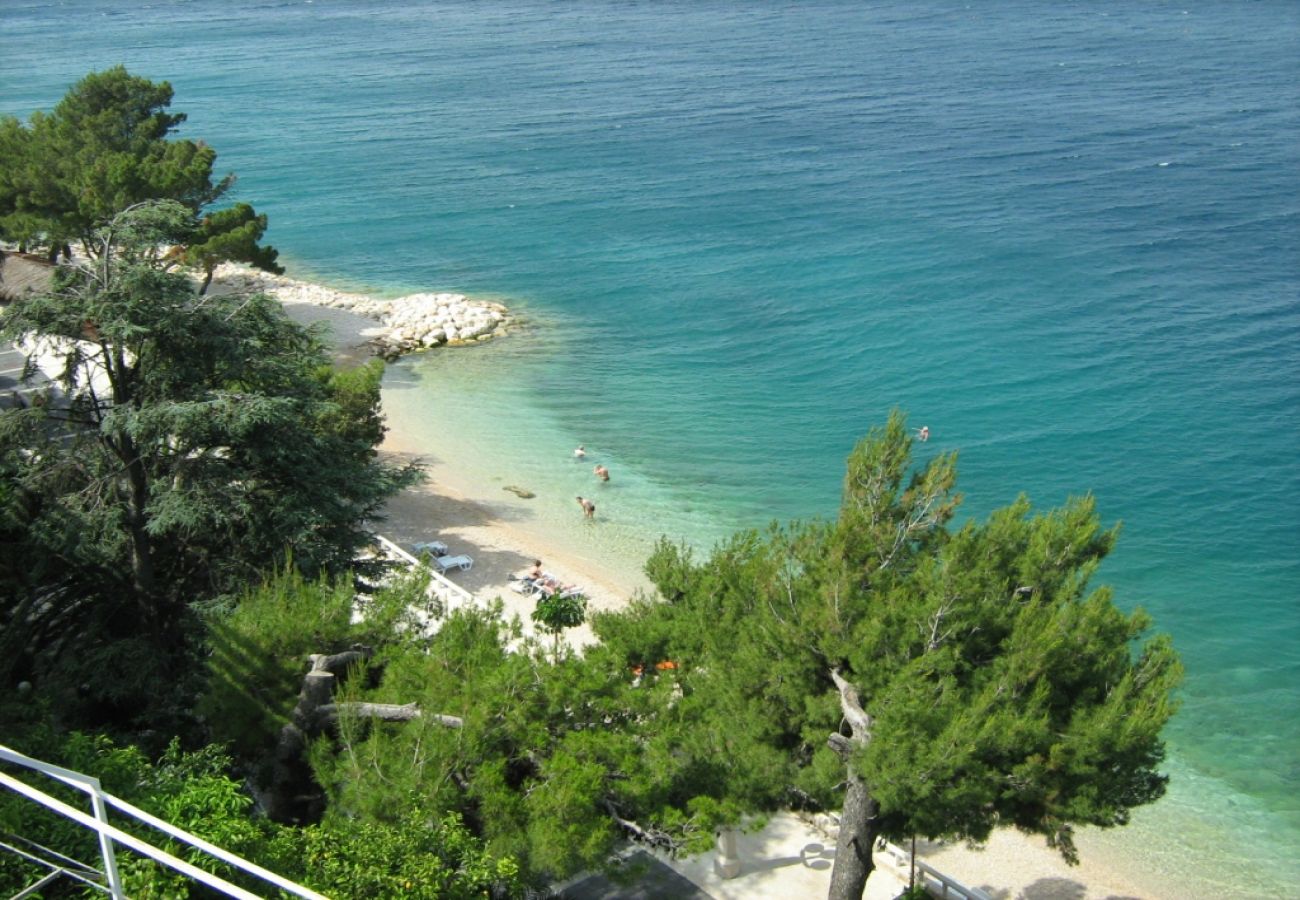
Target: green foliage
915 892
105 148
418 854
552 751
558 611
201 445
230 235
355 416
228 446
260 648
190 790
1000 688
18 220
259 654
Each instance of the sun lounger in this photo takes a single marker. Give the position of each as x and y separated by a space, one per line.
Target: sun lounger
546 586
532 588
446 563
433 548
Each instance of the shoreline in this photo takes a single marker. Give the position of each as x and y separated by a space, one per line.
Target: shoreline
402 325
488 528
465 518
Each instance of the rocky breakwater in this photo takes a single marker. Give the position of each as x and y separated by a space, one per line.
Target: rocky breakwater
414 322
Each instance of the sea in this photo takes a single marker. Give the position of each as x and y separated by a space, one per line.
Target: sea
1062 234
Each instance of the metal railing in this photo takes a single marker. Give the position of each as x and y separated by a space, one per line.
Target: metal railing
935 883
108 880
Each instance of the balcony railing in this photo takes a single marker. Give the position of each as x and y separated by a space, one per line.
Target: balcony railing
107 879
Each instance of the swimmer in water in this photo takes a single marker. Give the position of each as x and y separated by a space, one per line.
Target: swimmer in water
601 472
580 453
923 433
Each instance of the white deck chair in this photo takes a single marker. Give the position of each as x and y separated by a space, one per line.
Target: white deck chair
445 564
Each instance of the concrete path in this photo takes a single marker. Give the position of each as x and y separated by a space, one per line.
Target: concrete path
787 860
654 881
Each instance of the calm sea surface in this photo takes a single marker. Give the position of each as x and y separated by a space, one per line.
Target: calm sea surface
1063 235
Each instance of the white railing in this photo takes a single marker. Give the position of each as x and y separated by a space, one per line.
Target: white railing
444 588
109 835
935 883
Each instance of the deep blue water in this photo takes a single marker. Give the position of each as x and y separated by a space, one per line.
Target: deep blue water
1063 235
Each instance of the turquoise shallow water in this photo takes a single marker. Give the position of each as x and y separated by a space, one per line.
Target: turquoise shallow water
1063 236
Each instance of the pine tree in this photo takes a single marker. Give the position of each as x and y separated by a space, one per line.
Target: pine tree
922 679
106 146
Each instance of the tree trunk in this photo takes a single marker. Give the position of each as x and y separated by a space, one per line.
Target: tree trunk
142 572
293 796
858 832
327 715
859 821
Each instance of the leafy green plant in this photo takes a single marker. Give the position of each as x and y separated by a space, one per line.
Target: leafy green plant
559 611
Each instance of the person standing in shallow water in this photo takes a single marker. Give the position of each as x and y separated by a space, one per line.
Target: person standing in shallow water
601 472
588 508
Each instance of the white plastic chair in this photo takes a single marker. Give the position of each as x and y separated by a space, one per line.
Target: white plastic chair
446 563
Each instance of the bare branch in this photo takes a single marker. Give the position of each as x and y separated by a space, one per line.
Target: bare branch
851 705
936 639
920 518
329 714
655 837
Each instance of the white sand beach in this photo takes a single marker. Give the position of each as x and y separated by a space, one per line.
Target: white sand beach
775 862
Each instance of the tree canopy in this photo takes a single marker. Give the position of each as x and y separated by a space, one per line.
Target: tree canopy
918 677
200 439
105 147
921 678
925 680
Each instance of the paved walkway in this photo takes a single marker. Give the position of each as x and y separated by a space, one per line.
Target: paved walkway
656 882
13 390
787 860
